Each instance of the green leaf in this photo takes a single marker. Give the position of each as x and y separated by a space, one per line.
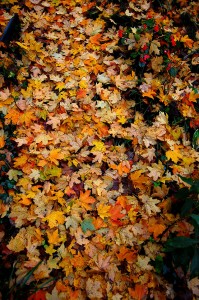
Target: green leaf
194 268
11 74
173 72
195 140
156 183
180 242
159 264
149 22
187 180
137 37
134 54
195 218
87 225
186 207
195 187
53 171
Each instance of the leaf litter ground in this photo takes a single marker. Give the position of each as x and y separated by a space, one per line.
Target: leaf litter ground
99 137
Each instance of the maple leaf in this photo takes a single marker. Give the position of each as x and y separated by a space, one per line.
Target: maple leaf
87 224
39 295
55 218
55 156
53 171
20 161
187 41
53 237
95 39
85 199
27 118
150 93
18 243
156 63
93 288
103 210
13 174
13 115
174 155
156 229
43 138
80 237
154 47
143 263
54 121
156 171
139 292
98 146
102 261
123 167
150 204
35 174
127 254
115 212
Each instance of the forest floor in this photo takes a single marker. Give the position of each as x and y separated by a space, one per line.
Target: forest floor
99 140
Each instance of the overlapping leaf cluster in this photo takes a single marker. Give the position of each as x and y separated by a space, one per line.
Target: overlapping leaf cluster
105 104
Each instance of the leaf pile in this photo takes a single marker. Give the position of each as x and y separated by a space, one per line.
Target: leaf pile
104 99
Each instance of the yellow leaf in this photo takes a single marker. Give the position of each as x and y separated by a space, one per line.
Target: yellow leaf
55 155
55 218
103 210
18 243
187 41
99 146
20 161
156 63
150 93
22 45
53 237
154 47
174 155
50 249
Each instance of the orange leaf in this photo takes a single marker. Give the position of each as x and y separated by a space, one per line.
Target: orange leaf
2 142
27 118
122 168
139 292
150 94
156 229
95 39
127 254
25 200
20 161
61 287
115 212
86 199
13 116
81 93
74 295
78 261
39 295
122 201
53 237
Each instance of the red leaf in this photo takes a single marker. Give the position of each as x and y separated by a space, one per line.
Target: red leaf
39 295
